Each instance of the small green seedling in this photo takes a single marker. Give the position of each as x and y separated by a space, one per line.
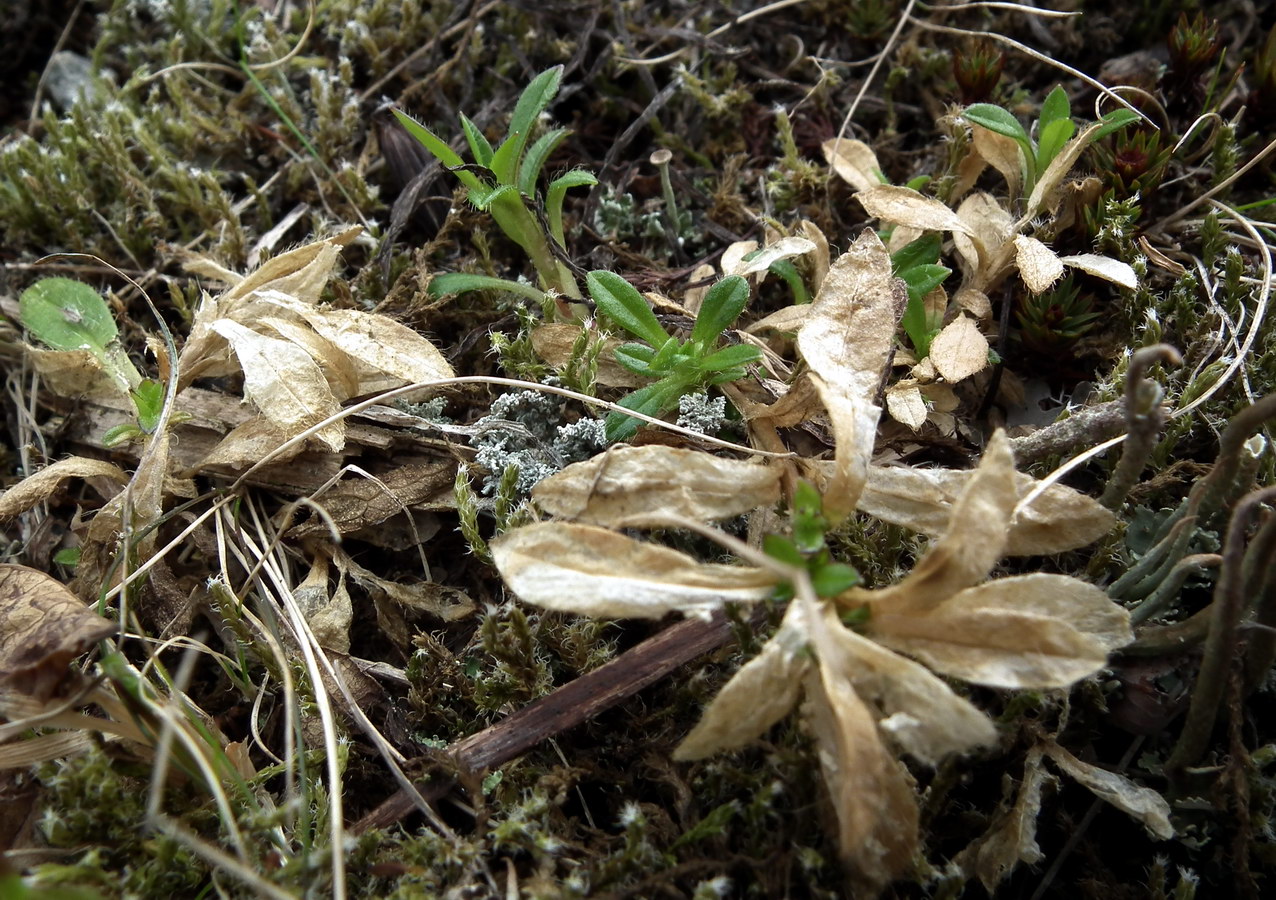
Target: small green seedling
502 179
918 264
1054 129
681 367
68 315
807 549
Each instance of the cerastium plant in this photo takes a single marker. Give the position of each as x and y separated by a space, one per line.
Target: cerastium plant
503 179
680 367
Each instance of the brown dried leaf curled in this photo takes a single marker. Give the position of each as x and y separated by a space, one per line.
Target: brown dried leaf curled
595 572
1142 803
629 486
45 627
40 486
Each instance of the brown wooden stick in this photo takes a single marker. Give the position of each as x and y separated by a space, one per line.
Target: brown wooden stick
566 707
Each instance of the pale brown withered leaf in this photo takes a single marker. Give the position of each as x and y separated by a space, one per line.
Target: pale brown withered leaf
1002 153
1104 267
986 219
74 373
301 274
921 713
45 627
592 571
871 792
329 614
819 259
339 369
959 350
974 541
905 404
630 486
376 344
1013 838
846 340
784 248
1082 605
40 486
1060 519
854 162
1039 266
992 643
1142 803
756 697
248 443
905 206
1045 195
283 382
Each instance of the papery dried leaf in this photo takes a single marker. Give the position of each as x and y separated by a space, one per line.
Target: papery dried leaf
630 486
1038 264
974 302
784 248
553 342
35 750
1082 605
756 697
905 404
818 261
73 373
846 341
905 206
871 792
1002 153
788 318
358 502
1141 803
1013 839
854 162
1046 193
40 486
249 443
340 371
1059 520
974 541
1104 267
733 257
986 218
45 627
329 615
797 404
301 274
595 572
284 383
1034 631
960 350
376 344
921 713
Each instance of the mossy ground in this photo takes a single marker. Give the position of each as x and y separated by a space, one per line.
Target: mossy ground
182 148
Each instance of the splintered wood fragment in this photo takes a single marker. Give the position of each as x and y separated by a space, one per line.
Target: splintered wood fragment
566 707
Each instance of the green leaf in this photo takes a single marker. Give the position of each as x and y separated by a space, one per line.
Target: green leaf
67 556
438 148
923 279
1051 139
555 194
721 306
729 357
809 523
531 103
121 434
148 400
919 252
830 579
620 301
786 270
637 359
1053 109
651 400
1114 121
529 169
994 118
779 547
68 315
483 197
460 282
479 145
